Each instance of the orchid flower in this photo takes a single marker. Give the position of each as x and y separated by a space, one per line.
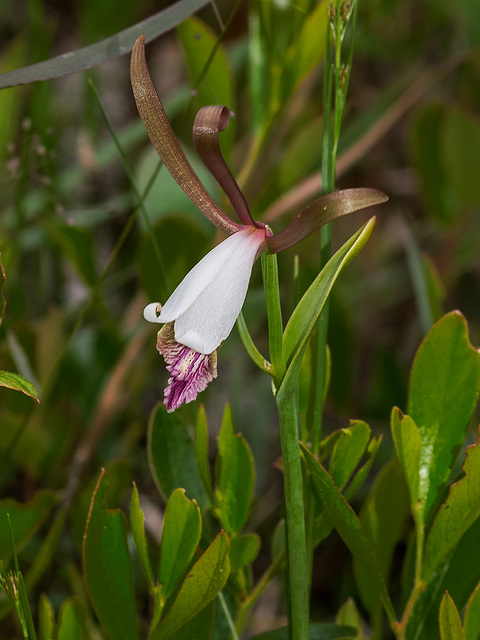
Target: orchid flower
202 310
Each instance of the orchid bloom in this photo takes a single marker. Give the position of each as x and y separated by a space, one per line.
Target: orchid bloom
202 310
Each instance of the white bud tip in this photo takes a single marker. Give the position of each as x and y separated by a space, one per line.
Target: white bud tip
152 312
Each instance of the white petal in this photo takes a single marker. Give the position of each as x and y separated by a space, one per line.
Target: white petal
152 311
209 319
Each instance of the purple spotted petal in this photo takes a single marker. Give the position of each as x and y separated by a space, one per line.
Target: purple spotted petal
190 371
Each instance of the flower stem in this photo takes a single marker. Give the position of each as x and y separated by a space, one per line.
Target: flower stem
295 515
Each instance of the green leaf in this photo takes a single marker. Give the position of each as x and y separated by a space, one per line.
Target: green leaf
303 319
46 618
243 550
348 451
95 54
137 520
471 623
107 567
444 386
18 383
201 453
348 526
383 519
450 624
318 631
182 527
170 453
235 476
25 520
457 513
408 445
203 582
71 621
215 87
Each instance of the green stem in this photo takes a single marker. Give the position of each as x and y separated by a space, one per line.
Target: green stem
231 624
295 515
274 313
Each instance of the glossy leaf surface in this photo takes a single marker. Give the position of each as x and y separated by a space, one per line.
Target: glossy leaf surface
444 387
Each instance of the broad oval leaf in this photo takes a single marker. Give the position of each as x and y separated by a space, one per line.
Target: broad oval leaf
182 527
444 387
107 567
170 454
348 451
203 582
243 550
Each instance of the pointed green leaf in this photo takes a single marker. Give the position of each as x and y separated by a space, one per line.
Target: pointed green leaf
46 621
182 527
450 623
235 476
137 520
306 313
457 513
107 567
444 387
348 526
348 451
201 453
203 582
71 621
471 624
243 550
25 520
408 445
95 54
18 383
170 454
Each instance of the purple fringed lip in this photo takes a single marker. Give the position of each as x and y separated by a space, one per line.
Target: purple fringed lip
190 371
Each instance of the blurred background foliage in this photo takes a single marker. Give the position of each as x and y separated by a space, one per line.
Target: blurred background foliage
80 263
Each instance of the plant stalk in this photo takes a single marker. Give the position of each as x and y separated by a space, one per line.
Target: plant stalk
295 515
